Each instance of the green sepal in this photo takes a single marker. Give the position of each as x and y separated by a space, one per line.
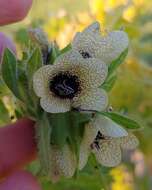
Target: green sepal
109 83
60 128
117 62
10 72
121 120
67 48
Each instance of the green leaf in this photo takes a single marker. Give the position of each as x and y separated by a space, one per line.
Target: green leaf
121 120
109 83
23 85
34 63
43 132
67 48
10 72
113 66
55 52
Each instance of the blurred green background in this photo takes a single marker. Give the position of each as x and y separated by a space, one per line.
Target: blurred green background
132 94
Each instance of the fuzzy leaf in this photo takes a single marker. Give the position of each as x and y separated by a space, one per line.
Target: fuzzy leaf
10 72
121 120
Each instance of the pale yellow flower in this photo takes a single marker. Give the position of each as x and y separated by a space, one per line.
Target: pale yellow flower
106 47
105 139
62 162
71 82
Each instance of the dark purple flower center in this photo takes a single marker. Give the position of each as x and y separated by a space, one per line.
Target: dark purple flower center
65 85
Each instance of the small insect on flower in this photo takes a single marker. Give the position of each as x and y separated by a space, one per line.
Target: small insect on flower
92 43
71 82
105 139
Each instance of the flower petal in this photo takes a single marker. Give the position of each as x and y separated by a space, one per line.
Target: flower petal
93 72
94 27
43 75
40 80
89 136
109 153
129 142
52 104
68 162
109 128
63 162
112 45
87 41
105 47
95 100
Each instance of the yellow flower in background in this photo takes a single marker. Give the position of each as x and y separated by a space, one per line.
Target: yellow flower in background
72 82
105 139
98 10
122 178
62 162
130 13
91 43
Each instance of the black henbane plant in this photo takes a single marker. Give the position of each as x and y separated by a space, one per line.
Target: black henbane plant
66 93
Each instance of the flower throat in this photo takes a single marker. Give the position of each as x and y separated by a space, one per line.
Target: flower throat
65 85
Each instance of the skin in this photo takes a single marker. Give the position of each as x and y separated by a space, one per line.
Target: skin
17 148
13 10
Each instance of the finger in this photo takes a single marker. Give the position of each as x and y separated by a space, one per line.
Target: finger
20 180
13 10
17 145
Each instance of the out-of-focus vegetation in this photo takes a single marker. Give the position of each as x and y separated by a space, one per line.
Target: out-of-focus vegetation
132 94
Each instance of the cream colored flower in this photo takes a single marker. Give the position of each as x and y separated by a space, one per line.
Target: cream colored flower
92 43
62 162
72 82
105 139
